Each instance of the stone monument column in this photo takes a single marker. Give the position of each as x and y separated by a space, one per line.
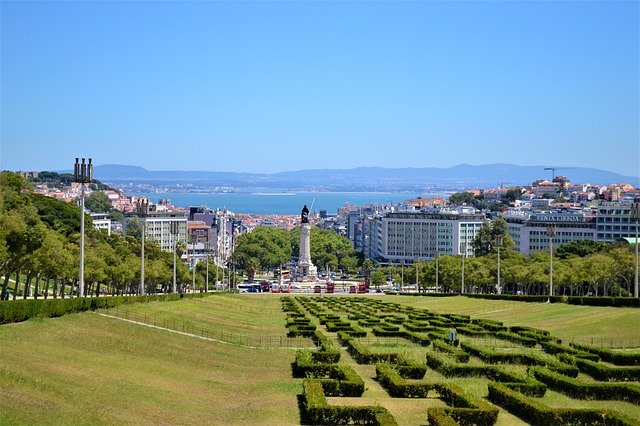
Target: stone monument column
306 270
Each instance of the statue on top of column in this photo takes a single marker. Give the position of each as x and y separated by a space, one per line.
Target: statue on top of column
305 214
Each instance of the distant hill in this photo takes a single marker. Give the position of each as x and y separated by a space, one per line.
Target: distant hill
462 176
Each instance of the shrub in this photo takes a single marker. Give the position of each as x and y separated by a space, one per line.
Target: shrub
459 354
578 389
609 355
554 348
24 309
534 412
605 373
318 411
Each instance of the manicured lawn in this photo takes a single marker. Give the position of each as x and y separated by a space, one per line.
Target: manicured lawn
86 368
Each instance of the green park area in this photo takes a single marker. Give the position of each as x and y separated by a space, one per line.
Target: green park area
288 359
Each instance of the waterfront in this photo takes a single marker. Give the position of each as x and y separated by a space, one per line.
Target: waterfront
283 203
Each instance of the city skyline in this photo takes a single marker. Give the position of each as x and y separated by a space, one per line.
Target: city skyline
281 86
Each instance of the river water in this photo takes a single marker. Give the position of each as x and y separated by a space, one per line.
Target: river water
289 203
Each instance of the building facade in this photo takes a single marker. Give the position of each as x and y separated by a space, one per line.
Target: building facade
529 231
614 222
409 236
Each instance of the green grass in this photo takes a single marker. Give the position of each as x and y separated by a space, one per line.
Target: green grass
87 368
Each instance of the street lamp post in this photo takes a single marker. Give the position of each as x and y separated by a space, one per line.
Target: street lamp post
551 232
437 274
143 212
206 282
194 238
635 217
82 173
463 251
499 244
174 232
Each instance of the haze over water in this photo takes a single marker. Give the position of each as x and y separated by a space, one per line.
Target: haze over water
281 203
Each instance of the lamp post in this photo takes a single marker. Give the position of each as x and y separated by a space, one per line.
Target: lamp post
143 212
635 217
437 274
174 232
82 173
499 244
463 251
206 282
194 238
551 232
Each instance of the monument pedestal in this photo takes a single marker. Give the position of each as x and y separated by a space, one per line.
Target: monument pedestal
305 270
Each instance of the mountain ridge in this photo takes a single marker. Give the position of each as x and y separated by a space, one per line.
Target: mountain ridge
369 177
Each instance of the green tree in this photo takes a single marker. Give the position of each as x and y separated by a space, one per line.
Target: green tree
98 202
485 241
581 248
378 278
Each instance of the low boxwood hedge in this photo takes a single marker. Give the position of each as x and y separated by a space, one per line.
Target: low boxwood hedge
581 390
317 411
605 373
24 309
457 353
554 348
534 412
610 355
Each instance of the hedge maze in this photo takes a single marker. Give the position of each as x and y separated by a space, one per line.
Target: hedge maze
521 370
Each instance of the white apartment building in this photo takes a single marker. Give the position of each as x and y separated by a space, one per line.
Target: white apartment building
101 221
157 227
529 230
423 235
614 222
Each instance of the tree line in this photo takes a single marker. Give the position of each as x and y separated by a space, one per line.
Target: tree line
40 250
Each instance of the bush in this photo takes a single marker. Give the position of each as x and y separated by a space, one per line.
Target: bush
580 390
534 412
317 411
397 386
605 373
457 353
24 309
554 348
609 355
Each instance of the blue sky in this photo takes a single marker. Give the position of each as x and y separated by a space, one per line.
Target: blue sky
276 86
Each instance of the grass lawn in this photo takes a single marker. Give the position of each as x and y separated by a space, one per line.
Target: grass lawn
87 368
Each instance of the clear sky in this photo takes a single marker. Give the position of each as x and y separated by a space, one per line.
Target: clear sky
276 86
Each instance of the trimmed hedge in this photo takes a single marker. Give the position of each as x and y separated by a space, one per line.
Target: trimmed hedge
622 302
580 390
397 386
605 373
535 412
318 412
24 309
491 372
494 357
362 354
516 338
455 352
554 348
609 355
465 408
